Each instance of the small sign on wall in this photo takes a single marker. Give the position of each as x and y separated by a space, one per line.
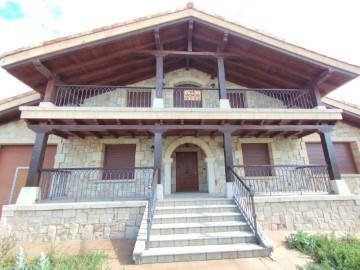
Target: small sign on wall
192 95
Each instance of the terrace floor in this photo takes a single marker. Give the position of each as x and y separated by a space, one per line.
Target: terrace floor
120 255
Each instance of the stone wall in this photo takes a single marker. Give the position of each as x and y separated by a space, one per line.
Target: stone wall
311 213
80 221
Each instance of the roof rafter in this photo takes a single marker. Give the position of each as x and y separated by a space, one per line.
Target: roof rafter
47 73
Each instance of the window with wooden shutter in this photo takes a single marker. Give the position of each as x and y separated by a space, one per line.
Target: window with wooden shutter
256 154
343 154
236 99
119 160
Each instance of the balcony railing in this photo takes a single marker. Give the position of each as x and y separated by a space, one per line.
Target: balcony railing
75 184
124 96
285 179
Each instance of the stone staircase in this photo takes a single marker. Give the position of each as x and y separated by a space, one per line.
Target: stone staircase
197 229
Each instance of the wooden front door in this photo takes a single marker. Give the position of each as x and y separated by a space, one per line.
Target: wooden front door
187 172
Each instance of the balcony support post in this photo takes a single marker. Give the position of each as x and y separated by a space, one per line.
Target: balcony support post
50 94
37 159
329 153
158 100
224 101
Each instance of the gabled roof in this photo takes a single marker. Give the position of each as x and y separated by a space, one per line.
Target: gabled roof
351 112
9 108
112 55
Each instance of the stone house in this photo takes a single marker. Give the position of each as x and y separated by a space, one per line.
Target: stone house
163 129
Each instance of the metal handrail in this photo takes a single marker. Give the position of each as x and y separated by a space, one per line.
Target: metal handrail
95 183
152 198
244 198
282 179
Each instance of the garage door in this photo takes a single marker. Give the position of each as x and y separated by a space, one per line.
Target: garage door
12 156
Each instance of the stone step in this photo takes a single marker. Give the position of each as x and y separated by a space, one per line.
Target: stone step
192 209
192 202
199 239
195 253
199 227
198 217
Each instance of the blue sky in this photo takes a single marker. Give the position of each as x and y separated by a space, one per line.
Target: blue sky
329 27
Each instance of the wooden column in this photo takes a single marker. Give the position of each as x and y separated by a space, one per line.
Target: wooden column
221 77
227 152
50 92
158 152
37 159
159 75
316 97
329 154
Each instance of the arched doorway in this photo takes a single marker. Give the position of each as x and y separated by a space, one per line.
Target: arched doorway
199 158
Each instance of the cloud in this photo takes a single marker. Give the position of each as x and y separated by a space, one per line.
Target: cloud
10 11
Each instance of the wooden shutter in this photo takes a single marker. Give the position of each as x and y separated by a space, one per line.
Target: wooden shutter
236 100
118 156
256 154
343 155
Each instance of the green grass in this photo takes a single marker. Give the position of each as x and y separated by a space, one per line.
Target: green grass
53 261
328 252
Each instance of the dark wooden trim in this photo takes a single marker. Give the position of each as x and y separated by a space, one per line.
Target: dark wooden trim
159 75
45 71
221 77
329 154
228 153
37 159
50 92
190 36
151 128
158 43
158 152
174 53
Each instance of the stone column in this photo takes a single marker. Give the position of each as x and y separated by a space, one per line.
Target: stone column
210 167
167 175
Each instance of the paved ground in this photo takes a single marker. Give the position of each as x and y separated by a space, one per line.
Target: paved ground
119 255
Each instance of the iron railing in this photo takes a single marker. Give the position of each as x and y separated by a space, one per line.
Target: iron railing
244 198
190 97
95 183
181 97
284 179
152 198
103 96
270 98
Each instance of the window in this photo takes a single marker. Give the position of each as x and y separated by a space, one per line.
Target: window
256 154
139 99
117 158
236 99
343 154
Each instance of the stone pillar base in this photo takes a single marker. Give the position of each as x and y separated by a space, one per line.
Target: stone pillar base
339 187
46 104
160 192
224 104
229 190
158 103
28 196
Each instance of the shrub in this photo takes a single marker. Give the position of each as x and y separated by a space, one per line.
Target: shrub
327 251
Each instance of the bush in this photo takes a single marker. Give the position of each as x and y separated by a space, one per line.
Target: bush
329 252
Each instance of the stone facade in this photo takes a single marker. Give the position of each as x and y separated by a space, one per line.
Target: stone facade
81 221
310 213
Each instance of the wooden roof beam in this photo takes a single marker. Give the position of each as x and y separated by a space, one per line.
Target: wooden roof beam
94 133
224 42
189 42
39 66
60 134
323 76
175 53
159 45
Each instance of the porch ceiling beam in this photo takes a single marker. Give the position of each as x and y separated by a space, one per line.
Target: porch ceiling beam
172 53
306 133
261 133
77 134
47 73
113 133
157 38
232 128
60 134
189 42
293 133
94 133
